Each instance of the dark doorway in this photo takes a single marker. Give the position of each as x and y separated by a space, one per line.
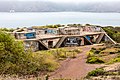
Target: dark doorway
50 44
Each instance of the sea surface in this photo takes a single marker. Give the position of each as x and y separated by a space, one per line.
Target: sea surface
14 20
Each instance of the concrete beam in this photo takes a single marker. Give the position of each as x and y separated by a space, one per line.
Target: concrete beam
111 40
46 48
99 38
60 42
88 40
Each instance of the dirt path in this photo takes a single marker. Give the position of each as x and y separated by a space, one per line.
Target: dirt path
75 68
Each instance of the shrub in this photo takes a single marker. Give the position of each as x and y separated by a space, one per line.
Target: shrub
44 61
77 50
94 60
7 30
73 55
60 53
97 52
96 72
14 60
90 54
101 49
114 60
63 53
11 53
93 48
94 51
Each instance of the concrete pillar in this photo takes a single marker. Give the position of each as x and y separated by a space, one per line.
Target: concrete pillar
82 41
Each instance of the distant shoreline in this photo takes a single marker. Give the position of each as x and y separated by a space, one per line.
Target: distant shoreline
60 24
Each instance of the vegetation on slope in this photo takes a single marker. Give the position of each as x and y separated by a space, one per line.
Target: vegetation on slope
57 26
111 72
113 32
14 60
7 30
47 26
62 53
102 54
94 60
96 72
109 54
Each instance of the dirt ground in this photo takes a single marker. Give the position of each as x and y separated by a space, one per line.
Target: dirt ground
76 68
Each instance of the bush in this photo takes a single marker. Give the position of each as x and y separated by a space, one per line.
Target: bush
63 53
96 72
91 53
114 60
59 53
94 60
11 53
47 26
94 51
97 51
14 60
77 50
45 61
7 30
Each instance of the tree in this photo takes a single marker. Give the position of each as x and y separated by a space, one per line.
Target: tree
11 52
14 60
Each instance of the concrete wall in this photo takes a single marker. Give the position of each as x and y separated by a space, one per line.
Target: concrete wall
54 41
20 36
32 45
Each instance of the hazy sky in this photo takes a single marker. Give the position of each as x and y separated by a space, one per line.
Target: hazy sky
67 0
81 0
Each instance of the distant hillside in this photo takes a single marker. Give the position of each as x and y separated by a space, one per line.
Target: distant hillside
44 6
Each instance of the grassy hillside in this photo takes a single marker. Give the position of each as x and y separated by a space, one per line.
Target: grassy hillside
110 56
15 61
113 32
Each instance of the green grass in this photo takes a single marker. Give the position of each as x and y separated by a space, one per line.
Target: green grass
94 60
62 53
114 60
96 72
15 61
99 55
113 32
